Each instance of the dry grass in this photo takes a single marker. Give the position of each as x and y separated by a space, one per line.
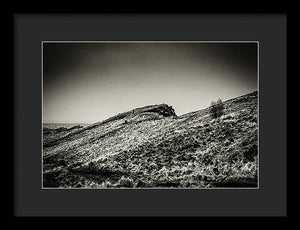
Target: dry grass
149 149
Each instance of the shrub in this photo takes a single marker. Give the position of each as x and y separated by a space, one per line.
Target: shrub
216 108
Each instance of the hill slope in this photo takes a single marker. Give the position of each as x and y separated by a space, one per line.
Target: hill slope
152 147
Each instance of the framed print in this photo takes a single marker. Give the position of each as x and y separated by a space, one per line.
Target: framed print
150 115
184 143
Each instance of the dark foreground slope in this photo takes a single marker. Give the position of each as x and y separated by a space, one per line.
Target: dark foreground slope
152 147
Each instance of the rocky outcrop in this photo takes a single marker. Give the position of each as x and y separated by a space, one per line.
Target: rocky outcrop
163 109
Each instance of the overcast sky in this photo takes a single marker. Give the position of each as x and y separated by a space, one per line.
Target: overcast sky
90 82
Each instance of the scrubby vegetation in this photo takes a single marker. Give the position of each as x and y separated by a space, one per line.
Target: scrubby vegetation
216 108
152 147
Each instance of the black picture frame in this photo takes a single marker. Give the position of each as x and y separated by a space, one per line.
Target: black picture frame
31 29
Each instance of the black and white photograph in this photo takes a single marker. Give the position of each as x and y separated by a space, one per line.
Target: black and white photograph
150 114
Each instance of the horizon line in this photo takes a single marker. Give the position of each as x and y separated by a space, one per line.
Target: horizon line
91 122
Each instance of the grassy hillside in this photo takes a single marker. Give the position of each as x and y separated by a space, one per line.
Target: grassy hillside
152 147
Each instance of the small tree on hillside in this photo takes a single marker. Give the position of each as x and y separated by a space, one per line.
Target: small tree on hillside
216 108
